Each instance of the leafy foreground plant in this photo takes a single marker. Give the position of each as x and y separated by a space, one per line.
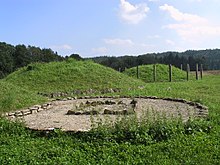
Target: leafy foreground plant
127 142
147 130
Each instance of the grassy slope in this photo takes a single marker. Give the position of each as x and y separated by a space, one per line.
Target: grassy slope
69 75
162 73
13 97
19 146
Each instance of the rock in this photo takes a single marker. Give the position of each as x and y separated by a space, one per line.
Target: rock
40 109
11 114
18 114
78 113
108 112
26 112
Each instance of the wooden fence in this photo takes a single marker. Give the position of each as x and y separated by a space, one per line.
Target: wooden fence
199 71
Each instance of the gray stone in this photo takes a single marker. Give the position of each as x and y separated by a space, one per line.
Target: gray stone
26 112
11 114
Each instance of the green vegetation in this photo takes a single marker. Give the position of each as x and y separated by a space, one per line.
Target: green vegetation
146 73
69 75
14 97
14 57
210 58
158 142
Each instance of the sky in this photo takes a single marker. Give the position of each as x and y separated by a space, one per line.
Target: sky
111 27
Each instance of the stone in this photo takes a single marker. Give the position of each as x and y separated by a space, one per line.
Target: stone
26 112
33 110
11 114
40 109
108 112
18 114
65 99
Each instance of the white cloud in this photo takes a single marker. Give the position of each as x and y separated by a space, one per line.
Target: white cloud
118 41
147 46
62 47
100 50
132 14
191 27
195 0
170 42
179 16
156 36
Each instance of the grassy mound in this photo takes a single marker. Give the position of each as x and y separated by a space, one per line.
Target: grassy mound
146 73
69 75
13 97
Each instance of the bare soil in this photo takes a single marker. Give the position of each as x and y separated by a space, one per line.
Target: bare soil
212 72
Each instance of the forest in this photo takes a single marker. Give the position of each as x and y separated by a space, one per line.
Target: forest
209 58
14 57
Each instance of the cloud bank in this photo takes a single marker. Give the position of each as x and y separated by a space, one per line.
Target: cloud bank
190 27
132 14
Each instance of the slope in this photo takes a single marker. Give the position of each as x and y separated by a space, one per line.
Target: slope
146 73
69 75
13 97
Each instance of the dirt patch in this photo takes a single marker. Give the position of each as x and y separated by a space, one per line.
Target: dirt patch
59 117
212 72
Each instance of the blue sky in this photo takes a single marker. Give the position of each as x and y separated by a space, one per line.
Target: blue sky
111 27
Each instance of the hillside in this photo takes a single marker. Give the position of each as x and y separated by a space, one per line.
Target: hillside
13 97
162 73
69 75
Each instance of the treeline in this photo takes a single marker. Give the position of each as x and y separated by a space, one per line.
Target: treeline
13 57
209 58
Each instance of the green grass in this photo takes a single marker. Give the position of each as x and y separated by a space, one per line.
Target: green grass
146 73
160 142
13 97
69 75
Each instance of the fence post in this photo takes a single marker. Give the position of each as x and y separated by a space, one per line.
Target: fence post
181 66
201 71
154 72
170 73
119 69
187 72
137 72
197 69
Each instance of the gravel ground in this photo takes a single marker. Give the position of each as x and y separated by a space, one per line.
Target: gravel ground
57 117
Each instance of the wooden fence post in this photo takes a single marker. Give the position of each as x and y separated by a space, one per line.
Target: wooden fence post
170 73
137 72
154 73
187 72
197 69
201 71
181 66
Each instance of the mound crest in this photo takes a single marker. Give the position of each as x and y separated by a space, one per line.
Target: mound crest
70 75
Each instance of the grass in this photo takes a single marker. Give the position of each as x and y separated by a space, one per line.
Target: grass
13 97
159 142
69 75
146 73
